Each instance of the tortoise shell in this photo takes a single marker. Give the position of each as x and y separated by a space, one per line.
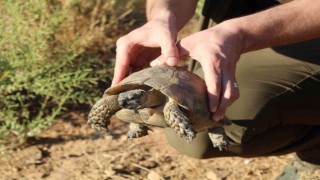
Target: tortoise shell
186 88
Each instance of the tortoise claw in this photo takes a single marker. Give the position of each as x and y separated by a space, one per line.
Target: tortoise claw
132 134
137 130
218 138
220 146
190 135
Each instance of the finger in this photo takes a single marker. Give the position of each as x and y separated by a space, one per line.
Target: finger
156 62
169 51
211 70
229 93
122 65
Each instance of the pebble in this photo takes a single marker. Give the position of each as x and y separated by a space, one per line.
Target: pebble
153 176
212 175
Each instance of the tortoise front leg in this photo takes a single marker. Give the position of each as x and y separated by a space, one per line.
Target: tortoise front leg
177 120
101 112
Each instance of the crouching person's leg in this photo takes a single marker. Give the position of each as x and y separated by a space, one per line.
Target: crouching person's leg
278 111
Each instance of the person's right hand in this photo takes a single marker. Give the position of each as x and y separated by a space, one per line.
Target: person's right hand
217 49
138 48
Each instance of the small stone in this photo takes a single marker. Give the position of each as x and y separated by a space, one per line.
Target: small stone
247 161
109 173
153 176
212 175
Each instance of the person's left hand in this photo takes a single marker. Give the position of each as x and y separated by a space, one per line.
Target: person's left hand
217 49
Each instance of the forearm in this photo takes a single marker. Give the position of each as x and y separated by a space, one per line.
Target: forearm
178 11
292 22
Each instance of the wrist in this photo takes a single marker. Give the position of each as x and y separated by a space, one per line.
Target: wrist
165 17
234 26
161 13
175 12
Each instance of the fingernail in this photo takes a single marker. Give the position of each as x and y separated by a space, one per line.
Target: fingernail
112 84
172 61
154 62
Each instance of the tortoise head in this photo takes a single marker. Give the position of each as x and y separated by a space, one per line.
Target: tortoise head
133 99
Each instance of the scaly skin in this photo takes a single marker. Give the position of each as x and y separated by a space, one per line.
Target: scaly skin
178 121
218 138
101 112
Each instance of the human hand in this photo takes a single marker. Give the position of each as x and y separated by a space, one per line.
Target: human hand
217 49
138 48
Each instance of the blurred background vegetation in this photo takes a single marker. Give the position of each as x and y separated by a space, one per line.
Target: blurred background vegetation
56 55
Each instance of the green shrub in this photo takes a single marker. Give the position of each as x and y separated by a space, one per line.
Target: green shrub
47 59
200 7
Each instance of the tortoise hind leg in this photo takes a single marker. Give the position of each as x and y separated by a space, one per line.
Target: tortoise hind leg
218 135
178 121
218 138
137 130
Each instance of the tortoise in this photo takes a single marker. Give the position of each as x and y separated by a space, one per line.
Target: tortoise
162 96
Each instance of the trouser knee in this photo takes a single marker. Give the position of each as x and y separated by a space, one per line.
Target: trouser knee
197 149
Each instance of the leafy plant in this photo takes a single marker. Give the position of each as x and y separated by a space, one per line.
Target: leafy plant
48 58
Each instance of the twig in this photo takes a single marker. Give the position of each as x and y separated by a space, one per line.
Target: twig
124 177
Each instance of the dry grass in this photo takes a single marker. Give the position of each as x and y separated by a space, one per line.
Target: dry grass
100 22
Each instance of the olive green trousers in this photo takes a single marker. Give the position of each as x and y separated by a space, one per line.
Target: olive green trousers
278 111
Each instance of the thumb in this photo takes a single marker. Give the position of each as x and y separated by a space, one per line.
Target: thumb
170 54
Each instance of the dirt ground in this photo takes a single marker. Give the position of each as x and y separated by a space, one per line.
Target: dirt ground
70 149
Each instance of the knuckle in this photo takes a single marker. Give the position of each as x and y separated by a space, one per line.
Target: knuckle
172 47
168 45
167 48
123 42
233 95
